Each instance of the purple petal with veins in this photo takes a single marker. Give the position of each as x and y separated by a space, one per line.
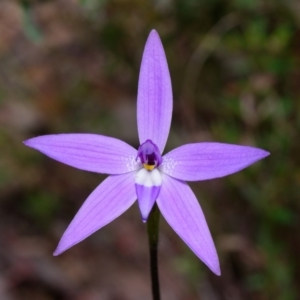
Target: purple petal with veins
154 103
90 152
203 161
109 200
182 211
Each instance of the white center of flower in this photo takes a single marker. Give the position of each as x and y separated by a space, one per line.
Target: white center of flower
148 178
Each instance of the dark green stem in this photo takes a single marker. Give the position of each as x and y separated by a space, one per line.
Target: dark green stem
152 229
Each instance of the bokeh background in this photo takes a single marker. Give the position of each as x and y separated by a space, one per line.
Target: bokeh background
72 66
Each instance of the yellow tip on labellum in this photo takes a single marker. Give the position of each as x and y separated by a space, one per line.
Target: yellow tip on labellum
149 167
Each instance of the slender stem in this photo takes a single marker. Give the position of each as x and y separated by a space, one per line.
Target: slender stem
152 229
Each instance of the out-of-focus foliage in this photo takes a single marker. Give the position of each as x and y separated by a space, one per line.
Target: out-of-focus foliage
72 66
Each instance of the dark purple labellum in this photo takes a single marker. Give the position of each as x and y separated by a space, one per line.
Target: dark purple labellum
149 155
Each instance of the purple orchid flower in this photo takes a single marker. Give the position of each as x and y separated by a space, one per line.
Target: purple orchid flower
145 174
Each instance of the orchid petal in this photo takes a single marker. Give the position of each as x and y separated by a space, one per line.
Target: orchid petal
203 161
182 211
90 152
147 185
109 200
154 104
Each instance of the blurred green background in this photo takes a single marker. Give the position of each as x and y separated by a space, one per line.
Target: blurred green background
72 66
